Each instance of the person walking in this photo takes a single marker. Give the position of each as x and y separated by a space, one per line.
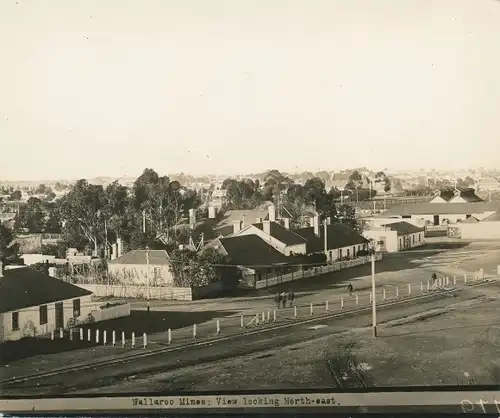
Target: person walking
291 296
147 306
283 299
277 299
350 288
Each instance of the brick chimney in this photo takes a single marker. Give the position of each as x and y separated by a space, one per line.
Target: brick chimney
258 220
328 221
311 221
286 223
114 251
266 227
316 225
272 213
119 246
237 226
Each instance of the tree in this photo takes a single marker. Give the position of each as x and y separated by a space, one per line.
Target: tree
314 190
33 215
9 250
41 189
16 195
81 210
346 214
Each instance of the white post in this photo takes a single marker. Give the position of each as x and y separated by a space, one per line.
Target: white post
357 300
326 305
123 339
397 291
454 281
447 281
71 334
194 330
263 317
51 335
465 278
268 316
145 340
428 285
104 337
241 322
81 334
383 294
169 335
113 336
312 309
374 299
218 327
97 336
371 297
295 312
61 333
89 337
341 302
421 287
409 288
133 340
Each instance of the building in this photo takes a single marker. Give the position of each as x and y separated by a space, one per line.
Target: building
455 196
489 183
426 214
32 303
8 219
485 229
396 236
245 217
133 268
340 241
255 257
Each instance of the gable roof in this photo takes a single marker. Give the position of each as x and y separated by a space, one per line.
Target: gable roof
470 196
24 287
156 257
338 236
225 226
251 250
441 208
286 236
470 220
403 228
495 217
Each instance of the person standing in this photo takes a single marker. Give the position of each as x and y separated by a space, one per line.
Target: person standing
350 288
290 297
283 299
277 299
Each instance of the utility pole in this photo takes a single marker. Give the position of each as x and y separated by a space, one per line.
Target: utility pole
374 298
147 274
144 221
326 240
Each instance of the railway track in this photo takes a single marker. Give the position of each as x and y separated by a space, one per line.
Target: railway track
266 328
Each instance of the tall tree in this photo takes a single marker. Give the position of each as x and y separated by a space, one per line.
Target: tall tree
9 250
33 215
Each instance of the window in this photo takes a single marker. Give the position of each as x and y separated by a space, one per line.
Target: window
76 308
15 321
157 273
43 315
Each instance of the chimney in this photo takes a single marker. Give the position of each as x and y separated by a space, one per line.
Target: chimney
237 226
211 212
52 271
328 221
286 223
266 227
259 220
114 251
119 245
316 225
272 213
192 218
311 221
1 269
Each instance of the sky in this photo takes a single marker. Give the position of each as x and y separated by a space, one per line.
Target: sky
110 87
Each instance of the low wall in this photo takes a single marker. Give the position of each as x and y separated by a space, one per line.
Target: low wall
210 290
37 258
112 312
135 291
315 271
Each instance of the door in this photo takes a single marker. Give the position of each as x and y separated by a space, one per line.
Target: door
436 220
59 315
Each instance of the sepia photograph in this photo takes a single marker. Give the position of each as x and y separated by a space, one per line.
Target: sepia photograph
252 205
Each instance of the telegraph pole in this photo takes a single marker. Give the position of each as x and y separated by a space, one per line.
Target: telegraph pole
326 240
147 274
374 298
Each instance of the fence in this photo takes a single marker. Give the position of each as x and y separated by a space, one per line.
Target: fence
315 271
105 313
139 291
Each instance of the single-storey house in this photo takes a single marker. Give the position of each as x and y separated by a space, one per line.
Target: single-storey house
278 236
422 214
133 268
32 303
341 241
396 236
457 195
255 257
488 228
245 217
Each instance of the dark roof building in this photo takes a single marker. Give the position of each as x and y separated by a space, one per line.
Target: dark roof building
338 236
441 209
251 250
467 194
282 234
23 288
404 228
